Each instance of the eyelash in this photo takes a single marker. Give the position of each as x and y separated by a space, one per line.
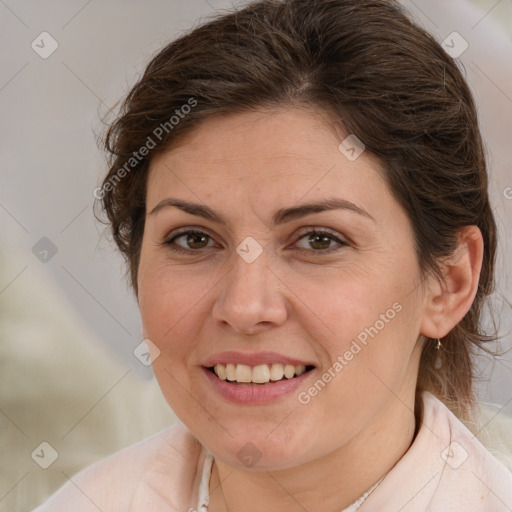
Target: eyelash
321 232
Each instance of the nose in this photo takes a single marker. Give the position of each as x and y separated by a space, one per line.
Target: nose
251 298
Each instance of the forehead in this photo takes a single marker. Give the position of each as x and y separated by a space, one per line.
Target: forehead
295 146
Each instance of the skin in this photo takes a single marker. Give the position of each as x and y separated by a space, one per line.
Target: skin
301 298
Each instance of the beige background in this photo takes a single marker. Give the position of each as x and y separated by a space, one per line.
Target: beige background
68 327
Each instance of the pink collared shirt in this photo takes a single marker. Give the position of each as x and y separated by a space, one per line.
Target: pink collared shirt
446 469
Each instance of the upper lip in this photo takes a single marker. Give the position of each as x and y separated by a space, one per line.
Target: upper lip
252 359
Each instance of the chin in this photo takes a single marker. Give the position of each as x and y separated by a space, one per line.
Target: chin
261 448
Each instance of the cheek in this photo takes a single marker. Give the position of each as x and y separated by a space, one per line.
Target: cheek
371 323
167 312
164 305
348 302
174 304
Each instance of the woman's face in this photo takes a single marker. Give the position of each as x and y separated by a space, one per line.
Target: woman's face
254 288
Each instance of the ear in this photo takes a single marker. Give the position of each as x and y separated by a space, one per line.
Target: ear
450 299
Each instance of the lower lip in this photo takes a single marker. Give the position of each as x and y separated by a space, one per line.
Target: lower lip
255 393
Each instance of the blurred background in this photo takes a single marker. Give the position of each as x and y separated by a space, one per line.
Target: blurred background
74 382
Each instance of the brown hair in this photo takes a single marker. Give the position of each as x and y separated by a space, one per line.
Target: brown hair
364 62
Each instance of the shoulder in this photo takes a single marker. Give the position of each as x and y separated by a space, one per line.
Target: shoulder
445 468
158 471
469 477
493 427
469 443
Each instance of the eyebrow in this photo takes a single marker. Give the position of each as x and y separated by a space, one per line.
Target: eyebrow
281 216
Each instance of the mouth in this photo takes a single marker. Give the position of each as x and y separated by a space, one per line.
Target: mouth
256 378
259 375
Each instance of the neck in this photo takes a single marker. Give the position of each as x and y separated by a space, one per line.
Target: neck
335 480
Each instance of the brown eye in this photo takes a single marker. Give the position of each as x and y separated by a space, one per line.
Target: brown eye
193 241
320 241
196 241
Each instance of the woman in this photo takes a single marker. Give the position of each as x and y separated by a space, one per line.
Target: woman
300 191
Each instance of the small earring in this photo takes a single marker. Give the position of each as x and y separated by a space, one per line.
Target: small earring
438 346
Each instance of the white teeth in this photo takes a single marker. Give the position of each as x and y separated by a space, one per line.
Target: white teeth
243 373
289 371
276 372
299 370
230 371
220 370
260 374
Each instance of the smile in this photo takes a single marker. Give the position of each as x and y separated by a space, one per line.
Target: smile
260 374
256 378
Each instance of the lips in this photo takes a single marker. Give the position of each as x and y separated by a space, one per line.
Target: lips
255 378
